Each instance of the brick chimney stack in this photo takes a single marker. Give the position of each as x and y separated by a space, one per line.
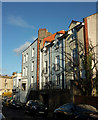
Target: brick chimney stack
42 33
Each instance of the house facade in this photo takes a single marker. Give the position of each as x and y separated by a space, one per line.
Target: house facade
51 67
6 84
53 61
29 70
17 85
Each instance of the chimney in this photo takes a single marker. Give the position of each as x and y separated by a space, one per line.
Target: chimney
42 33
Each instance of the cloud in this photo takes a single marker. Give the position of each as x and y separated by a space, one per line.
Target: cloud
34 38
18 21
19 50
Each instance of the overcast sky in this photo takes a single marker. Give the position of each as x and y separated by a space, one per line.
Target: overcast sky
22 20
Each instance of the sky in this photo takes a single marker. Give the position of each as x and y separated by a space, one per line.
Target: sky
22 20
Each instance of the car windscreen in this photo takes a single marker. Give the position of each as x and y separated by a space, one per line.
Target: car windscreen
68 107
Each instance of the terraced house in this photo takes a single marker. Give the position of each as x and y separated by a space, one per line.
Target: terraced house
53 61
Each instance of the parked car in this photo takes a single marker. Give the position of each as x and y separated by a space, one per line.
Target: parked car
72 111
6 102
15 104
36 107
4 98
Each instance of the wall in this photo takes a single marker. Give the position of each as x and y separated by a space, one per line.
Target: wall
86 100
52 98
8 82
27 78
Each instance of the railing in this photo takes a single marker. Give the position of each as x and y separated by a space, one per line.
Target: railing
51 85
31 87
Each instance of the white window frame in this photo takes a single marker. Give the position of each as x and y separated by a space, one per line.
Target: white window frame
45 66
32 79
26 71
26 57
32 66
33 52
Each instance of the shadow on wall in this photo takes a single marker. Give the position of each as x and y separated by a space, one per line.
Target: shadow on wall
52 98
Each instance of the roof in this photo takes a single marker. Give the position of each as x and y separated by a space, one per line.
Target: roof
29 45
74 22
52 37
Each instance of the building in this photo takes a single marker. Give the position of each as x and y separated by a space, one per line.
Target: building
17 85
74 52
91 38
29 70
55 60
91 32
50 61
6 84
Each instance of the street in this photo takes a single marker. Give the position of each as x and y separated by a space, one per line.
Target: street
13 114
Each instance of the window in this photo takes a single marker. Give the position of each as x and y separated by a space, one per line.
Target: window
32 66
57 62
26 57
57 44
14 82
46 66
46 79
58 79
75 53
23 86
6 86
5 80
32 79
26 70
45 52
23 71
74 34
33 52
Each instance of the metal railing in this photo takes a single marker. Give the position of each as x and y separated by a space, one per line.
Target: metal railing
51 85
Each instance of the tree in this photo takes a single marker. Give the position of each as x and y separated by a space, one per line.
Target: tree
79 63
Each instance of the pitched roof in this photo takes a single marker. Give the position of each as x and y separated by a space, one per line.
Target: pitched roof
52 37
74 22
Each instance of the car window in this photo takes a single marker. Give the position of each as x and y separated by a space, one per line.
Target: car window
68 107
39 103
